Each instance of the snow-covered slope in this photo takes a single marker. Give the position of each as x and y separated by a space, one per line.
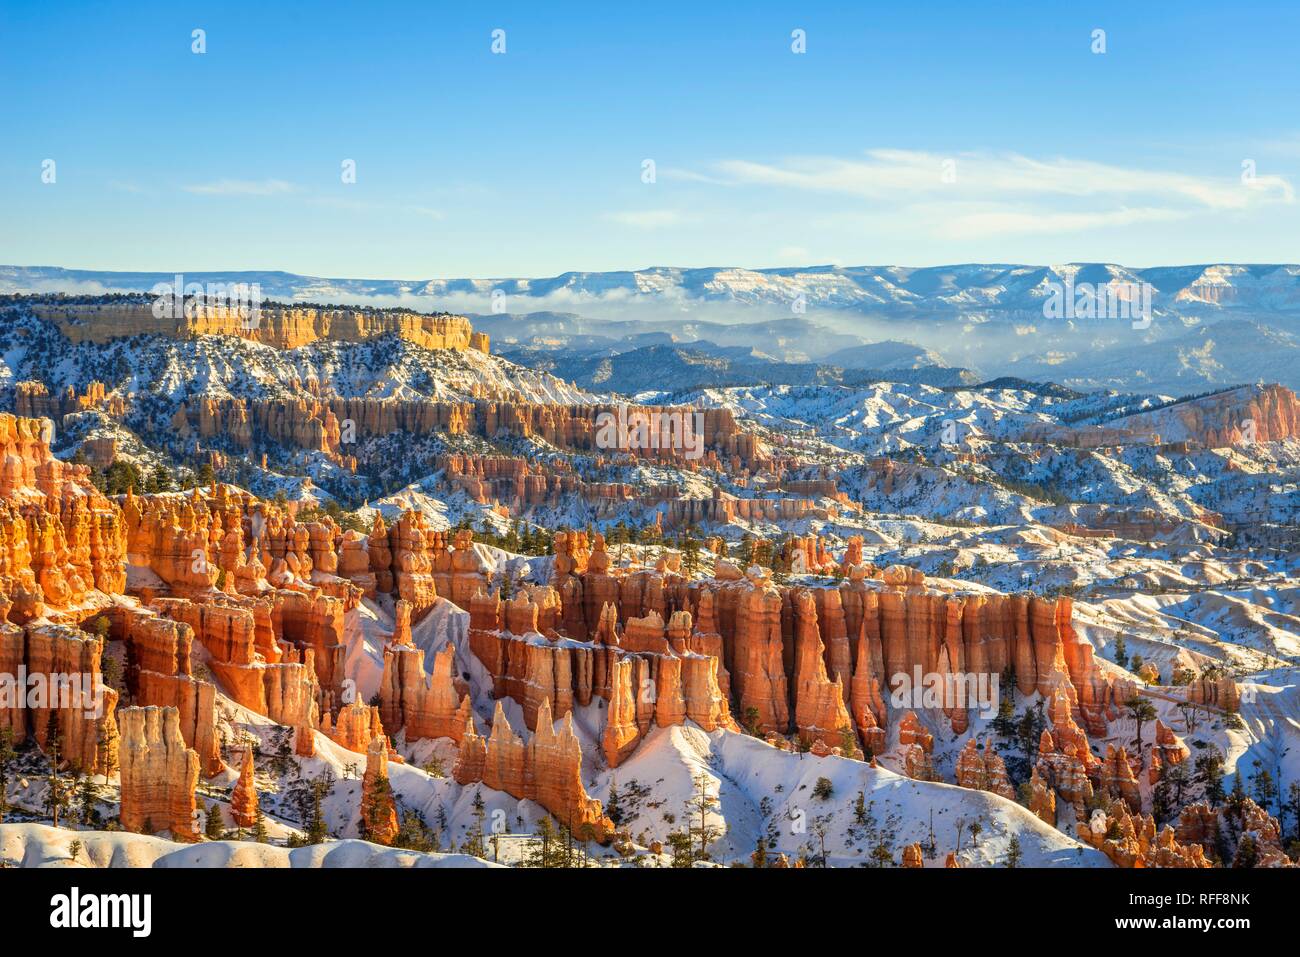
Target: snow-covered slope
37 845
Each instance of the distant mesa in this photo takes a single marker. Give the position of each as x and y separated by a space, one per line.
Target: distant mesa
277 325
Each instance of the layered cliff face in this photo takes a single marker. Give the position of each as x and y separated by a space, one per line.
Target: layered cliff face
521 484
823 663
1262 413
283 327
59 537
159 774
650 673
250 662
820 712
422 705
547 769
316 424
160 650
64 694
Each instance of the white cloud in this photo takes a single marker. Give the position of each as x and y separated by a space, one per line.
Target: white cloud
241 187
981 194
883 174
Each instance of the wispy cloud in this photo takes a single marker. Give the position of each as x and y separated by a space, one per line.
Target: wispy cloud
884 174
980 194
241 187
647 218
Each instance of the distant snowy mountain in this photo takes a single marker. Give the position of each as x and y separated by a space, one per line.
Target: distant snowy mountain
932 291
1210 325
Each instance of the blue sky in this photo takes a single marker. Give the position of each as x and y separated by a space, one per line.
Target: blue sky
530 163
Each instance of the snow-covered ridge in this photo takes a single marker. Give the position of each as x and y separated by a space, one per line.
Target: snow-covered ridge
929 290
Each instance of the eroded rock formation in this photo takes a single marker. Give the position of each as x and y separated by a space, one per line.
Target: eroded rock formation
159 773
547 770
378 809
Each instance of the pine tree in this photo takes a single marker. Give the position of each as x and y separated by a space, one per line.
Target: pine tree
260 834
1263 787
613 810
545 851
87 796
1209 773
320 789
1014 854
56 795
212 827
1292 805
1247 853
474 843
701 803
1004 725
1030 730
1140 710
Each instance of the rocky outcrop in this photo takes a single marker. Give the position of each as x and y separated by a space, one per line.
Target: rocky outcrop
159 773
65 694
59 537
413 546
271 677
1129 839
820 714
621 732
280 326
911 731
1259 413
378 822
1118 779
1215 691
1221 830
311 422
196 705
355 726
983 769
758 676
547 770
422 706
243 799
1042 799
